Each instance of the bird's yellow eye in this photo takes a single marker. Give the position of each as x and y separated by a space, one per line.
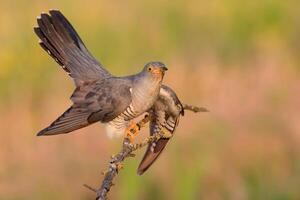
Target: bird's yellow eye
149 69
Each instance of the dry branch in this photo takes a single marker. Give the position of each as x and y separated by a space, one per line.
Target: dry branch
194 108
127 151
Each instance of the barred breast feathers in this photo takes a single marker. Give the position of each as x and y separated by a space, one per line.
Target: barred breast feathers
117 126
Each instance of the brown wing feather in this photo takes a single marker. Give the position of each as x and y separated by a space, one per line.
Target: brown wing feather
155 149
93 102
72 119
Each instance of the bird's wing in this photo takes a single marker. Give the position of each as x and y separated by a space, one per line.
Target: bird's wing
155 149
72 119
161 120
92 102
61 41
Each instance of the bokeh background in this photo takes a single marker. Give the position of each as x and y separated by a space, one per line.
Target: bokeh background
240 59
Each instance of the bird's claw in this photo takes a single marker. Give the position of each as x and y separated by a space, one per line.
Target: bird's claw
164 133
132 131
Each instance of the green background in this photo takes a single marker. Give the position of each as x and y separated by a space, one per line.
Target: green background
240 59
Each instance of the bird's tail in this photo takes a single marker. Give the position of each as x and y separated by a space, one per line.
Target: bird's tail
59 38
72 119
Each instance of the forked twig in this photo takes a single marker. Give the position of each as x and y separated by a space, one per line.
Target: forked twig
116 162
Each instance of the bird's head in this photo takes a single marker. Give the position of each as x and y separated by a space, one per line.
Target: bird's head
155 69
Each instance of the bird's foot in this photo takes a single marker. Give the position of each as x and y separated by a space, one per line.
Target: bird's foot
164 133
134 128
131 131
144 121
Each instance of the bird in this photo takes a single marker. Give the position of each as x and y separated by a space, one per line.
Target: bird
99 96
164 117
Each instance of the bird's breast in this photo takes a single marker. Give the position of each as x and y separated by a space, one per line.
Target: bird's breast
143 99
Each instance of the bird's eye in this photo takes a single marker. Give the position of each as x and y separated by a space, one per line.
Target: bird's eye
149 69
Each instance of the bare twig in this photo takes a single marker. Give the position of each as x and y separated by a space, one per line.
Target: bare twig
194 108
90 188
114 167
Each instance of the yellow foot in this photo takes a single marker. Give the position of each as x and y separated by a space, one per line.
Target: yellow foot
131 131
164 133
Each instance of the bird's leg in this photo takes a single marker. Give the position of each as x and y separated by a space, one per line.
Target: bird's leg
146 141
164 133
144 121
133 128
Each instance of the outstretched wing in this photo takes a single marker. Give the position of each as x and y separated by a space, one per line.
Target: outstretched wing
164 117
93 102
61 41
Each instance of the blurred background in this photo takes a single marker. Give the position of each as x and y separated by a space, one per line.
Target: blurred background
240 59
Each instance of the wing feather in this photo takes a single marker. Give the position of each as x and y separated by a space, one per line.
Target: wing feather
154 149
92 102
72 119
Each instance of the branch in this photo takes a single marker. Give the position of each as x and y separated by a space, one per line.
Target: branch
127 150
114 167
116 161
195 109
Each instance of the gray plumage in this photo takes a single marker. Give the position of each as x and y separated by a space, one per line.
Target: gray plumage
164 114
99 96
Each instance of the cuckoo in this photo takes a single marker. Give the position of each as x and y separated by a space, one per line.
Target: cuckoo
99 96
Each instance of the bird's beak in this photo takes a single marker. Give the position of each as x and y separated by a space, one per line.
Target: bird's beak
159 70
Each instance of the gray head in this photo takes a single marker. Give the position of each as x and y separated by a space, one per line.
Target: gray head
155 69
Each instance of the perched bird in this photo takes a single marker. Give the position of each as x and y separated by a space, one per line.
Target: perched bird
99 96
164 117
